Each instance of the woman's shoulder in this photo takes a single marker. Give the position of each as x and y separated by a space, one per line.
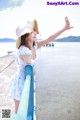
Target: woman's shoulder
24 50
22 47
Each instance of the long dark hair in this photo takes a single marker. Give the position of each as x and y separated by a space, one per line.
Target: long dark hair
24 41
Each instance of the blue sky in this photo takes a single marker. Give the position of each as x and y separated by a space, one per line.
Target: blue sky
50 18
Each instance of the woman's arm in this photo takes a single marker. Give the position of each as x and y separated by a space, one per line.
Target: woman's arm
27 59
52 37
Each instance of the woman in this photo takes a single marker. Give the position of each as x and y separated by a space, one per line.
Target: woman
26 54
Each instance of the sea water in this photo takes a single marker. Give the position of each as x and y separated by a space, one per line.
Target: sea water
61 48
6 47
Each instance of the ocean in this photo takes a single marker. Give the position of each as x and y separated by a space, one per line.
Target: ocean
58 82
6 47
61 47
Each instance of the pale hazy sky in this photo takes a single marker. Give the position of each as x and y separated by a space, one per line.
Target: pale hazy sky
50 18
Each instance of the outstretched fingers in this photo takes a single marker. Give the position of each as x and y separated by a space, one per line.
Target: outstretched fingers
67 23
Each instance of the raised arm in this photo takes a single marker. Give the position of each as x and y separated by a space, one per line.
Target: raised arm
52 37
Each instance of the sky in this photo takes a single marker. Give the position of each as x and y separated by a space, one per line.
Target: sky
50 18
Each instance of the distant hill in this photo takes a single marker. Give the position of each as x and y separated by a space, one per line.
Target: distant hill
65 39
68 39
7 40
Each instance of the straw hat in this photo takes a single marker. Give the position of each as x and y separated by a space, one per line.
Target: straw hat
28 28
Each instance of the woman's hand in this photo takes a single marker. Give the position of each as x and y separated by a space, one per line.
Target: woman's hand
67 24
55 35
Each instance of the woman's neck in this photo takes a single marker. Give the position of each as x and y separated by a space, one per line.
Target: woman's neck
30 43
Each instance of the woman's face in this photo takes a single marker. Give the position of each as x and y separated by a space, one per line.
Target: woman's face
32 36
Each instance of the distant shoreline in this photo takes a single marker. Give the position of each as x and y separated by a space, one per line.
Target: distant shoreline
7 40
68 39
64 39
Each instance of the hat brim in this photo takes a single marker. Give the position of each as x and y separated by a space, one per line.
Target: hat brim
35 26
27 29
18 42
